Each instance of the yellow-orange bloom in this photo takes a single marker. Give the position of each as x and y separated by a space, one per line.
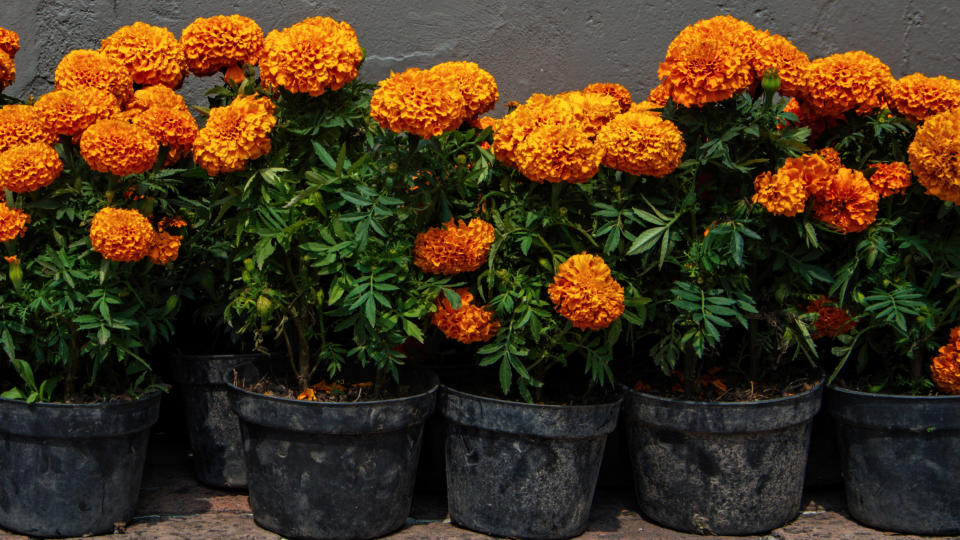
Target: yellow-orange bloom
590 111
454 247
945 367
709 61
848 203
890 178
485 122
786 192
642 144
847 81
311 57
164 248
559 153
121 235
234 74
13 222
174 128
171 223
29 167
539 110
933 155
118 147
150 53
468 324
8 70
659 95
234 135
917 96
418 101
614 90
832 157
478 87
70 112
775 51
9 42
94 69
157 96
584 292
20 124
832 320
221 41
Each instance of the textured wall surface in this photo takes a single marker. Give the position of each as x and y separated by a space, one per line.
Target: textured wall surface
529 46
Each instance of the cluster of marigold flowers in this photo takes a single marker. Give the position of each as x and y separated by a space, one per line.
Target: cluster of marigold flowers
945 367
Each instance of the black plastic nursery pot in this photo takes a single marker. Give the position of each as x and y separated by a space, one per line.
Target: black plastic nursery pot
72 470
720 468
332 470
901 459
523 470
211 423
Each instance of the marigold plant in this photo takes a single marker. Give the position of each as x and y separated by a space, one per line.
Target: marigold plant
559 153
9 42
234 135
832 320
175 129
94 69
776 52
13 222
641 144
29 167
614 90
466 324
117 147
453 248
8 70
21 125
219 42
150 53
917 96
890 178
164 248
313 56
157 96
418 101
71 112
584 292
932 155
945 367
847 81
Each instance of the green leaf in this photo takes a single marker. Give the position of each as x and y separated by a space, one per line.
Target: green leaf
324 156
506 376
13 393
370 310
646 240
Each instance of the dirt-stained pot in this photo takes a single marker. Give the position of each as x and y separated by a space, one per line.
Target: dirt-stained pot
332 470
720 468
901 459
523 470
72 470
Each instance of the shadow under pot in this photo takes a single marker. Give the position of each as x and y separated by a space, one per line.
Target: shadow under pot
331 470
717 467
523 470
72 469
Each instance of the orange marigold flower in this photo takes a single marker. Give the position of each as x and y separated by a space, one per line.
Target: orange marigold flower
478 87
121 235
614 90
221 41
584 292
234 74
590 111
848 203
559 153
20 124
780 194
485 122
832 157
8 70
94 69
832 320
312 56
890 178
70 112
150 53
164 248
9 42
539 110
468 324
234 135
117 147
12 259
647 107
13 222
659 95
454 247
418 101
917 96
775 51
29 167
709 61
157 95
933 155
847 81
168 222
945 367
174 128
642 144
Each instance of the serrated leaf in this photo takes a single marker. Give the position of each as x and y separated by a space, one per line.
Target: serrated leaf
646 240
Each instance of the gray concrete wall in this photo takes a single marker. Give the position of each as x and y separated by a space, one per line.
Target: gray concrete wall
529 46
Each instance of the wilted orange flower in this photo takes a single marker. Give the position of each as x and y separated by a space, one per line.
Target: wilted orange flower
933 155
13 222
418 101
468 324
312 56
9 42
709 61
454 247
164 248
150 53
117 147
221 41
8 70
94 69
157 95
20 124
168 222
539 110
121 235
70 112
590 111
847 81
642 144
848 203
832 157
614 90
174 128
917 96
29 167
234 135
775 51
584 292
832 320
659 95
559 153
478 87
945 367
890 178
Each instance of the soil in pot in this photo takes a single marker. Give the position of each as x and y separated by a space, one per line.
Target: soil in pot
331 469
72 470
